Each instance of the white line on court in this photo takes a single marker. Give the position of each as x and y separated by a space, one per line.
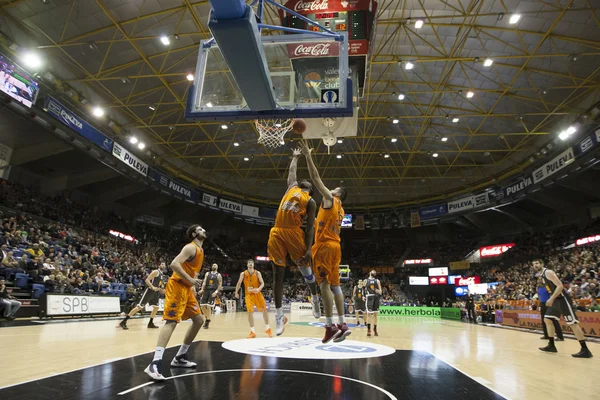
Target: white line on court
388 394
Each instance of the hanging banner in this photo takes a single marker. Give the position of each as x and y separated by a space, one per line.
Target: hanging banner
434 211
588 143
467 203
209 199
415 219
230 206
249 211
495 250
71 120
174 187
515 188
125 156
553 166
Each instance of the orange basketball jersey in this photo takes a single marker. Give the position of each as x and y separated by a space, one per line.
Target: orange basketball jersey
192 266
292 209
329 222
250 281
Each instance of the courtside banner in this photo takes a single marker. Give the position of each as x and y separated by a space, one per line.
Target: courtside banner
125 156
450 313
61 113
56 305
174 187
424 312
588 321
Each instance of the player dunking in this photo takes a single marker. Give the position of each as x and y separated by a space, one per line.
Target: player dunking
287 237
373 289
154 286
181 303
327 252
358 295
212 285
559 304
253 284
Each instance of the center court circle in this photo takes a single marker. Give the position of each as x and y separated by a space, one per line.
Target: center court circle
307 348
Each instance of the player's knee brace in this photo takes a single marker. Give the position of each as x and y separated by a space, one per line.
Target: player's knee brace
309 277
336 290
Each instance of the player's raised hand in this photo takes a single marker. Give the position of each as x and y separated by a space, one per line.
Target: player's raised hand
296 152
305 147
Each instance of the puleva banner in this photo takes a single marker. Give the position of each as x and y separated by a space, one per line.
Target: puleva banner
424 312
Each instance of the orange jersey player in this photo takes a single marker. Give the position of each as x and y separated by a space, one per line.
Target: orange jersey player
327 252
253 284
181 303
288 238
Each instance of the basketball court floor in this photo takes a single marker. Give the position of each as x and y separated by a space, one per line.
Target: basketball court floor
411 359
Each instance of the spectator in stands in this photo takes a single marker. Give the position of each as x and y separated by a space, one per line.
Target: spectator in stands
24 262
4 248
35 251
11 306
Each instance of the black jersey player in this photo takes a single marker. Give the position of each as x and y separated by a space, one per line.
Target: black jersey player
213 282
373 292
358 295
154 286
559 304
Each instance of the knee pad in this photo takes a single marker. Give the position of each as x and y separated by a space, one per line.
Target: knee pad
336 290
309 277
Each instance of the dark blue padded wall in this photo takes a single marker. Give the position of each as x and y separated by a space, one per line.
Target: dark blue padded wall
240 44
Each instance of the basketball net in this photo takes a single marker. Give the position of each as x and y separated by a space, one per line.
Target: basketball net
272 131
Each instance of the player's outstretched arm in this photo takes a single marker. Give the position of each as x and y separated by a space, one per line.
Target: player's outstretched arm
292 175
188 251
314 174
309 232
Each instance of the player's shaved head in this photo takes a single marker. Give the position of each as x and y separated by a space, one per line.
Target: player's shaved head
340 192
307 185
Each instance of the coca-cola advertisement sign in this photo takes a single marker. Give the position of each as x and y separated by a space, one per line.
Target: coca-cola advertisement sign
315 5
315 50
471 280
304 7
587 240
495 250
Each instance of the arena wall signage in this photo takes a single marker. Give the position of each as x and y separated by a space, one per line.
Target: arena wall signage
17 83
450 313
589 142
459 265
587 240
262 258
495 250
515 188
438 280
468 203
434 211
131 160
470 280
230 206
589 321
209 199
438 271
174 187
420 261
553 166
425 312
54 305
71 120
250 211
123 236
418 280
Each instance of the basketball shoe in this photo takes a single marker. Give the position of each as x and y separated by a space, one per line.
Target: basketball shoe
280 321
344 333
252 335
182 362
268 332
331 333
153 371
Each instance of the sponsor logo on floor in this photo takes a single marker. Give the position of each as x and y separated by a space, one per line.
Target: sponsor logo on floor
307 348
322 324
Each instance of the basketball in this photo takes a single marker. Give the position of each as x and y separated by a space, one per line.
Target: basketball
299 126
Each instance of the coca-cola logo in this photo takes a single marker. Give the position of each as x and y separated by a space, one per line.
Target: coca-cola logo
316 5
490 251
471 280
317 50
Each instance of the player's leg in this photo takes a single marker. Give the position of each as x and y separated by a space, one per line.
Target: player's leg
277 254
152 316
296 247
543 310
566 308
250 310
357 317
369 313
261 305
133 311
192 311
326 275
375 310
552 313
206 311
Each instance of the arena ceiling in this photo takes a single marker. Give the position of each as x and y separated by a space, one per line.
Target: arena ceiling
546 68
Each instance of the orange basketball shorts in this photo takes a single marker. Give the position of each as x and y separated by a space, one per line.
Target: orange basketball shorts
284 241
180 302
326 262
255 299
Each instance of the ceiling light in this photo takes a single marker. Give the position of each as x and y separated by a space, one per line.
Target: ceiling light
571 130
409 65
514 18
394 140
488 62
340 141
396 120
152 107
444 139
386 156
434 155
487 153
401 96
339 156
418 24
246 159
236 144
98 112
455 120
209 104
224 126
165 40
125 80
176 36
141 146
470 94
32 60
190 77
563 135
133 140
